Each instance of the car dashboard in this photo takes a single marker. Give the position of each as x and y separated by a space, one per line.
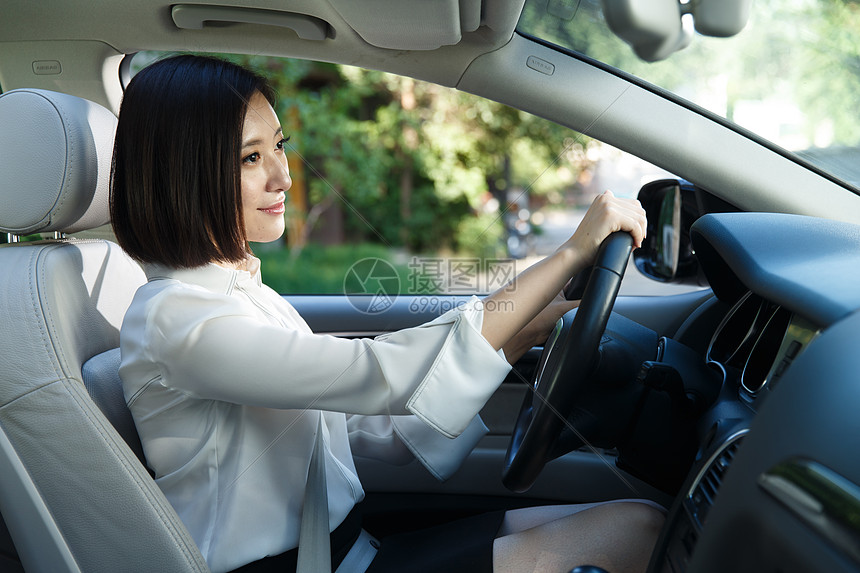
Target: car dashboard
756 343
776 483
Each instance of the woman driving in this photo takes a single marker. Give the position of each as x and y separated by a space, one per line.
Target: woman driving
250 421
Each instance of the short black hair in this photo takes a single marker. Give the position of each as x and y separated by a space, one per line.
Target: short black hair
175 180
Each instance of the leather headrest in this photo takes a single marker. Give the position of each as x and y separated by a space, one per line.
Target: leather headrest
55 160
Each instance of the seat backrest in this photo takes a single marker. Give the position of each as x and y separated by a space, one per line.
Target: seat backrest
73 494
101 379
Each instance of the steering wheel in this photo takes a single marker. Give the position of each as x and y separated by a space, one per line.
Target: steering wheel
569 355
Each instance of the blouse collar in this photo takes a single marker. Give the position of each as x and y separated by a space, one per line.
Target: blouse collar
211 276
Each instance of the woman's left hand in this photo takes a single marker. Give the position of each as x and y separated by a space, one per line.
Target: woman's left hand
538 329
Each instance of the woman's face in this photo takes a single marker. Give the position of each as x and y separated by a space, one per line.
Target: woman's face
265 175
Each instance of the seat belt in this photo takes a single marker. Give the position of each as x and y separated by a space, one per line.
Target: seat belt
314 542
360 555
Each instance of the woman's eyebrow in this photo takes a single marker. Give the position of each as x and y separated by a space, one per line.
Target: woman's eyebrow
257 141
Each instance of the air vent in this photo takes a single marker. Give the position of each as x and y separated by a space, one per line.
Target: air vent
705 488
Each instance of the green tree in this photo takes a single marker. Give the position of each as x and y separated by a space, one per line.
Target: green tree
831 72
407 163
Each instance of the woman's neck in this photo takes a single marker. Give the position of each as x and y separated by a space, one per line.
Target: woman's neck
249 264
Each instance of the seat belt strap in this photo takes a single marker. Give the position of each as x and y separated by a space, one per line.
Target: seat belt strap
360 555
314 542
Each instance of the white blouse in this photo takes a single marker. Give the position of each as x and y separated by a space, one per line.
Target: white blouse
227 383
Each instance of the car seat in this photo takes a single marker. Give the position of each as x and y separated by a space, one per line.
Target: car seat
73 493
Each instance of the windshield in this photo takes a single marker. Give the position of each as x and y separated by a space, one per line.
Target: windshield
792 76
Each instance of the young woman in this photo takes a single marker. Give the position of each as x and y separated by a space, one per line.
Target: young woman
234 396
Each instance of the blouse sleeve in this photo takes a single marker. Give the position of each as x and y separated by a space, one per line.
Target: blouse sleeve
400 439
213 346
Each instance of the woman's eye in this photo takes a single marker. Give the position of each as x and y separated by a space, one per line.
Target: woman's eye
282 143
251 159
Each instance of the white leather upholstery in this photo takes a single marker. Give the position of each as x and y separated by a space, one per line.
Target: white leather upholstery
101 379
72 493
55 155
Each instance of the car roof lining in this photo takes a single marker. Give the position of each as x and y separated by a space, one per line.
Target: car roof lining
155 29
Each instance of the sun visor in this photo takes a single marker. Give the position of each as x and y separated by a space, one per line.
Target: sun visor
410 24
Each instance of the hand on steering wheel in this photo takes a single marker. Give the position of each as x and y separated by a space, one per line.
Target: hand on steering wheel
567 360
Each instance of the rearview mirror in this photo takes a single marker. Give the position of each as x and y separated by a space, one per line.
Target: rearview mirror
672 205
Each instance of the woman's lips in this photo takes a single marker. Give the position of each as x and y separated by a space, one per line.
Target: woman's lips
276 209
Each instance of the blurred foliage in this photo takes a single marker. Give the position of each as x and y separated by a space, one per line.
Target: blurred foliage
834 72
798 52
410 164
4 238
320 269
480 235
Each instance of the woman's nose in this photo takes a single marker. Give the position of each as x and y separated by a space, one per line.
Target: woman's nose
279 177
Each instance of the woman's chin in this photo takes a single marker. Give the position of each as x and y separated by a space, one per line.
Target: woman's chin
265 236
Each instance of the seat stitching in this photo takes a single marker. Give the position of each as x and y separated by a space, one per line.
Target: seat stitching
153 502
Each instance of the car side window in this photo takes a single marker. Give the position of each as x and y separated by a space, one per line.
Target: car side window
413 188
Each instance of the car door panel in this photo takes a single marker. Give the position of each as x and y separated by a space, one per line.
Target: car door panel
578 476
